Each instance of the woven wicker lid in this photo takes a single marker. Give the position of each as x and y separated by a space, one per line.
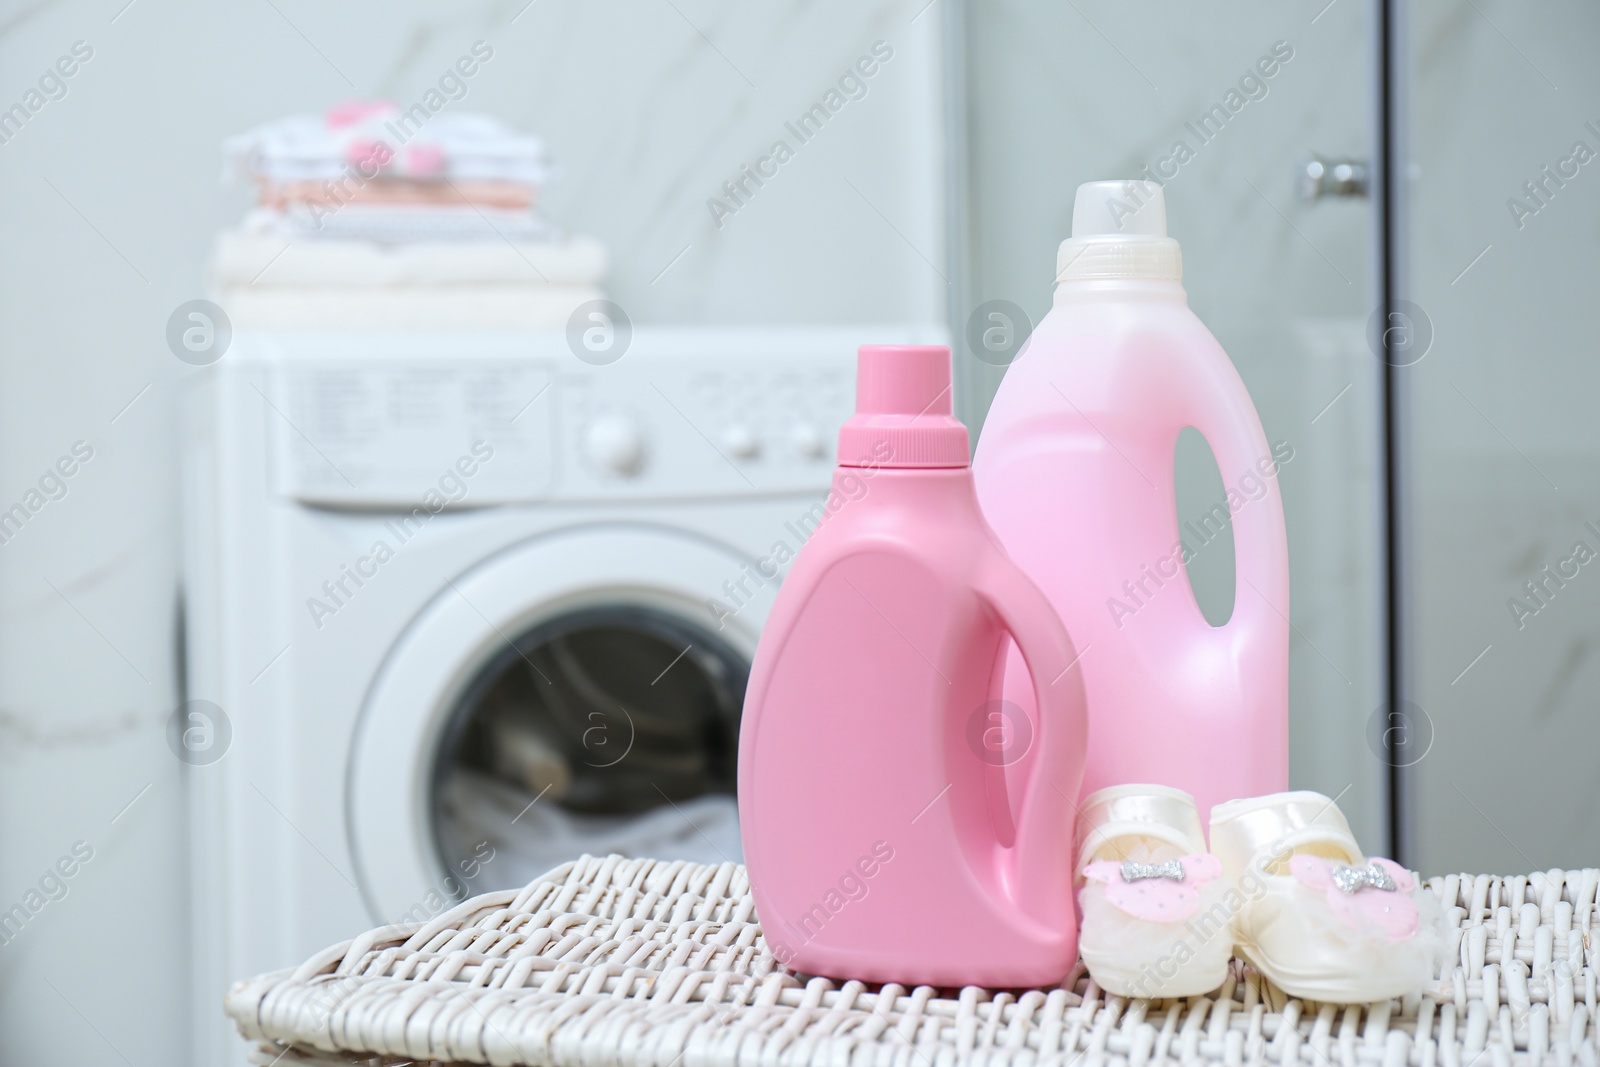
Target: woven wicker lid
641 963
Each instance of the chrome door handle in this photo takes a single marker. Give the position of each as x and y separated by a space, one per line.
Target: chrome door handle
1317 176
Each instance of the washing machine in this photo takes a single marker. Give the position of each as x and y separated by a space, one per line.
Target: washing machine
459 607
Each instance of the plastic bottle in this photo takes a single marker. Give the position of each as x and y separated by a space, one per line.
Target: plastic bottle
1075 471
872 756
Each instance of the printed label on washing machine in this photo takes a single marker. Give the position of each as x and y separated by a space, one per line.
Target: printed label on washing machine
463 435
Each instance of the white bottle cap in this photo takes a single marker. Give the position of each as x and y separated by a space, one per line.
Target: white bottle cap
1119 230
1129 209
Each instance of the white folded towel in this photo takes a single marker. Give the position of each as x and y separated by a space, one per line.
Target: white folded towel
532 306
270 260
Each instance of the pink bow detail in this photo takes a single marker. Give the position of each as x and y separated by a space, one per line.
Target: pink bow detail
354 112
423 159
368 156
1156 899
1367 904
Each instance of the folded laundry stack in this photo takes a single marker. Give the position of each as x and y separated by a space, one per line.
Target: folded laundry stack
368 218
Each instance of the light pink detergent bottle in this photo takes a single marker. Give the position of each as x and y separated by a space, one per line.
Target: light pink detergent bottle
1075 473
873 751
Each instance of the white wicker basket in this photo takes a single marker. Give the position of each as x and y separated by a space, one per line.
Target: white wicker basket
638 963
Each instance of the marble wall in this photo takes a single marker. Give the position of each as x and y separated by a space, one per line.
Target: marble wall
113 194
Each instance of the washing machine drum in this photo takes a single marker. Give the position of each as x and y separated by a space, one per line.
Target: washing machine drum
570 695
612 729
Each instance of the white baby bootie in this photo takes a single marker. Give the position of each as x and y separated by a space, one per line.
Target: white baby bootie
1317 917
1154 919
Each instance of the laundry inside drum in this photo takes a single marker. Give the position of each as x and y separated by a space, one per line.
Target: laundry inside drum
612 729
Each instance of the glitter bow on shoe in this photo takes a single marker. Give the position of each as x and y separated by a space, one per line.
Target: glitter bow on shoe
1392 912
1372 876
1135 872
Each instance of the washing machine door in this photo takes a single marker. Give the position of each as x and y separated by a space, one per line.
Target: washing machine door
575 693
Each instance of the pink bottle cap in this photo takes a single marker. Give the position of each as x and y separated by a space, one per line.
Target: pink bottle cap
903 411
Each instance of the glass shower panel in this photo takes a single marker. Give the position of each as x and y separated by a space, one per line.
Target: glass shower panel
1223 106
1503 498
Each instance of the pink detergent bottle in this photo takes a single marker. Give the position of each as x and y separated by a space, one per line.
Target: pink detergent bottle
873 751
1075 473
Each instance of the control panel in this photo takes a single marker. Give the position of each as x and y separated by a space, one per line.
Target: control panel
700 427
357 434
380 421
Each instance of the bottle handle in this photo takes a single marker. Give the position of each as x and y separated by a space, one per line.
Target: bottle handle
1227 419
1042 851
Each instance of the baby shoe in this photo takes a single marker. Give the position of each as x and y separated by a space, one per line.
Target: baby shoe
1315 916
1154 919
